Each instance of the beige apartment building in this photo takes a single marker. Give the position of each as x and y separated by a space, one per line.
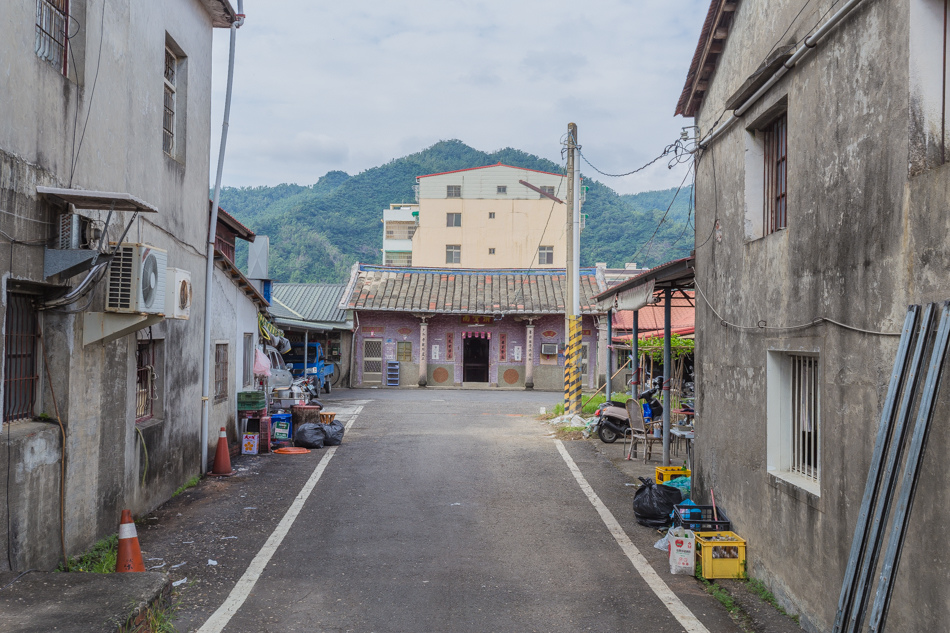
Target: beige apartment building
496 216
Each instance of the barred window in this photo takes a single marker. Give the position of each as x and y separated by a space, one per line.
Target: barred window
220 372
52 29
776 170
404 351
168 125
794 418
145 387
20 377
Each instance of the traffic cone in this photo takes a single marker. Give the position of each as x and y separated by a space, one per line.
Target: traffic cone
129 557
222 458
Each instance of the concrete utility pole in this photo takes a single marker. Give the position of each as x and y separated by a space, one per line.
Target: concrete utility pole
572 366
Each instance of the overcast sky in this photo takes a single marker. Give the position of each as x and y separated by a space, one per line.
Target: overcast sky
321 86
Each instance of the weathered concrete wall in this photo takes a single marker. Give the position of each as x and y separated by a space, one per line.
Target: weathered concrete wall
121 150
395 327
863 241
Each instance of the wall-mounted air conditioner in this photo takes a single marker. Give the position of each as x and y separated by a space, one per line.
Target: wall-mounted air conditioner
549 348
136 281
178 294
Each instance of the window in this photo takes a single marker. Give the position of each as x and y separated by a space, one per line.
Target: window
404 351
220 372
546 189
502 190
168 125
396 230
398 259
52 29
145 380
776 170
453 191
794 418
491 215
453 219
545 255
20 376
453 254
491 251
248 359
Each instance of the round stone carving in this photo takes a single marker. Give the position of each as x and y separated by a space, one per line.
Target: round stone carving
510 376
440 375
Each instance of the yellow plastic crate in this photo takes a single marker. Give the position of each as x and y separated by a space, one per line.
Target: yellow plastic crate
722 554
668 473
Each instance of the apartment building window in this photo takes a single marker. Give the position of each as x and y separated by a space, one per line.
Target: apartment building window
491 215
546 189
220 372
396 230
20 377
794 418
776 170
453 254
453 191
398 259
145 380
171 69
52 33
404 351
545 255
502 190
248 359
491 251
453 219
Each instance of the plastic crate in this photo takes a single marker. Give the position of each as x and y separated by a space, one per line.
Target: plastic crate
668 473
700 518
282 426
251 400
722 554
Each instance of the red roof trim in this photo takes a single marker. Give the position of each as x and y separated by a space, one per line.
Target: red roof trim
242 231
687 104
455 171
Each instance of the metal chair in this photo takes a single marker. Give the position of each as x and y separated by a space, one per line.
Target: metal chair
641 430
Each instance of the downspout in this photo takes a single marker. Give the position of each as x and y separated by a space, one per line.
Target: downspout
212 236
610 342
356 320
809 43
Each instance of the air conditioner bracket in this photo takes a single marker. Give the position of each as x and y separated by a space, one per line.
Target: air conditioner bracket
71 261
109 326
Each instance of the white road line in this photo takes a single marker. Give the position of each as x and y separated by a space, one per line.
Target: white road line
679 610
220 618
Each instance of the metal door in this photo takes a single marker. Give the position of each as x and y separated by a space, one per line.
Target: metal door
372 361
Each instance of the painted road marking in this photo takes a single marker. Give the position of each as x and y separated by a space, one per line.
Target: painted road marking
679 610
220 618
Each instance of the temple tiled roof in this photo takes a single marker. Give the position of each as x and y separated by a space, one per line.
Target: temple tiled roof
465 291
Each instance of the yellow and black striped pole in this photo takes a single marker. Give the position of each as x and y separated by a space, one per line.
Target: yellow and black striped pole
572 368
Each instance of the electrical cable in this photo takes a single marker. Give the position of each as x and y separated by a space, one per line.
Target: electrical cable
62 461
144 448
21 575
663 219
790 25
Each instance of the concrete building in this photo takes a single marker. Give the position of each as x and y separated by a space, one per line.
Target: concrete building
105 126
822 193
469 328
485 217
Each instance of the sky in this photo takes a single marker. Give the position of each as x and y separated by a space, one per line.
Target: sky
322 86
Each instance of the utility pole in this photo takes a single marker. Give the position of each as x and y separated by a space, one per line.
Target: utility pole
572 366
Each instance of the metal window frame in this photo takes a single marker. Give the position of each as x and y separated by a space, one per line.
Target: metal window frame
47 12
546 189
453 219
170 77
805 415
404 351
775 164
20 362
145 394
453 253
545 255
220 372
453 191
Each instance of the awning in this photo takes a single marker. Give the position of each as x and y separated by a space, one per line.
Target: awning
98 200
677 274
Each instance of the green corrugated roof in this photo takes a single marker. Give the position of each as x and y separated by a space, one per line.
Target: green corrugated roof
308 302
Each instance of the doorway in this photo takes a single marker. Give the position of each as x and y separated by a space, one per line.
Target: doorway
475 359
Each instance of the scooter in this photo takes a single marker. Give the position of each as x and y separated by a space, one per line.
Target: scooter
612 420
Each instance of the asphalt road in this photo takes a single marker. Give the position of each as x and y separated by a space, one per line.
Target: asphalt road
450 511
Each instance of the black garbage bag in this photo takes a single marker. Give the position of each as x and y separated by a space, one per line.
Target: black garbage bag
310 435
334 433
653 503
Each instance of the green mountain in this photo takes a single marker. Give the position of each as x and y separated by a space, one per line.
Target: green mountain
318 232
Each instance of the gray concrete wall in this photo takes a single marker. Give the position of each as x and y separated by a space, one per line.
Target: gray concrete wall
864 239
121 151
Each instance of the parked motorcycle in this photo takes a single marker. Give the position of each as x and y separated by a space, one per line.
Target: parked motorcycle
612 420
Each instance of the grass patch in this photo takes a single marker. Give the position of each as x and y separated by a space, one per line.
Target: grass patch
758 588
100 559
590 404
191 483
735 611
569 432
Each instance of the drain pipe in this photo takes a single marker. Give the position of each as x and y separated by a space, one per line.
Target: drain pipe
809 43
212 236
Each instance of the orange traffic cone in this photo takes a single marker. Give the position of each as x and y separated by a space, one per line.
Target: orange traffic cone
129 557
222 458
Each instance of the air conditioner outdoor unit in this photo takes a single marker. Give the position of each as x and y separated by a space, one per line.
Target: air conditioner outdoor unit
137 280
178 294
549 348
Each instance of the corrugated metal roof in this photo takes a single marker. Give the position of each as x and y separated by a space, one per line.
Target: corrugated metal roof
308 302
466 291
650 318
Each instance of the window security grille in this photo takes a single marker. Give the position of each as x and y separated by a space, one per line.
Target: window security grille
453 191
20 377
776 170
545 255
404 351
52 29
453 254
144 380
805 418
168 124
220 372
398 259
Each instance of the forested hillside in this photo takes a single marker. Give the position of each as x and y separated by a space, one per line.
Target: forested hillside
317 232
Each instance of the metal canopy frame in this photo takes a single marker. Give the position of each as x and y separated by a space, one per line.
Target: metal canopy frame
98 200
